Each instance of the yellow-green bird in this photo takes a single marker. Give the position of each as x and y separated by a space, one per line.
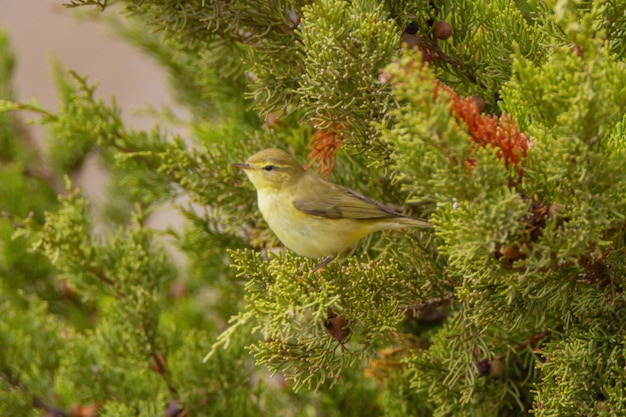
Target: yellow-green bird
311 215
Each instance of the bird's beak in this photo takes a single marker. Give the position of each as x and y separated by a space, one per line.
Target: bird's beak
242 165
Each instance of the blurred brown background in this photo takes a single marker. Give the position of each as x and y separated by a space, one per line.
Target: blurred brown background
41 29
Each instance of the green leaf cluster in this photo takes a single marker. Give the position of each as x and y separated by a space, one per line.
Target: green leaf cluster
512 305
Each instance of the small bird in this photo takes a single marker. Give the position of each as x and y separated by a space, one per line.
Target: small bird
311 215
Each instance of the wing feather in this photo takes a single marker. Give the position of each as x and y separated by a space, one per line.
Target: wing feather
344 203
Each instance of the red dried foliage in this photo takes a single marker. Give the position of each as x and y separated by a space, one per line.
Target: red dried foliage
324 145
501 133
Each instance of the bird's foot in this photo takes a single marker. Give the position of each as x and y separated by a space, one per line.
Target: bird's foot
324 262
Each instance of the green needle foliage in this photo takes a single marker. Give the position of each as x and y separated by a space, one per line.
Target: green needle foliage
502 122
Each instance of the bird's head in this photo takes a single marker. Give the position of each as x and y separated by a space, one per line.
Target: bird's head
271 169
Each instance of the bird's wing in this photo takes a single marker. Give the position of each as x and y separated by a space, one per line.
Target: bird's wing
340 202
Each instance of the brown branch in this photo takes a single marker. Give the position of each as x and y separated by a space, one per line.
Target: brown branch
427 307
431 48
49 411
160 367
528 342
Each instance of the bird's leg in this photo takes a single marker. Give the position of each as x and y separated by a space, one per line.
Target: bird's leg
324 262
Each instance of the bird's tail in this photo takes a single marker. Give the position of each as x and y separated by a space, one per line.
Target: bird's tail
403 222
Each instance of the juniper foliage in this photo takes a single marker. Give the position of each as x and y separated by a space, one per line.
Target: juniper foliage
509 136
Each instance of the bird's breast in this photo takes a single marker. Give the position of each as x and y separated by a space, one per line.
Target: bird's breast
305 234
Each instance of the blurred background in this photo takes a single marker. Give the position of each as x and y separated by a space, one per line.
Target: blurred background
42 31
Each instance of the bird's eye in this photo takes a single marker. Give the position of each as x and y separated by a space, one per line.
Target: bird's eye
269 167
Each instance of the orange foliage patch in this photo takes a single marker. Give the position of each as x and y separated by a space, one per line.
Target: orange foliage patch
501 133
324 145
